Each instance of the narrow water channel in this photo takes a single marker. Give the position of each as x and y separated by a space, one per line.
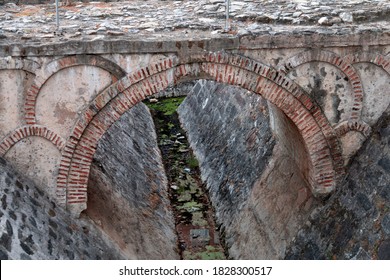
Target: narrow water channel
198 237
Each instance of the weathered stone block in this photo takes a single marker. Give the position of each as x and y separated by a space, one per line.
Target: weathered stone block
26 248
3 254
348 225
386 224
6 241
385 163
384 250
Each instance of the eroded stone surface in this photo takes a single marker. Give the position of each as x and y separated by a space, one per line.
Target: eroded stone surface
12 81
128 195
256 177
354 222
32 226
141 32
222 116
79 86
188 19
39 160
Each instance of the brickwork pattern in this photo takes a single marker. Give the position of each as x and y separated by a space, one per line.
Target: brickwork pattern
231 69
338 62
58 65
355 222
345 64
321 139
27 131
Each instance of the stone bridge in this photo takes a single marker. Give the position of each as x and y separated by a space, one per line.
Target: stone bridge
59 96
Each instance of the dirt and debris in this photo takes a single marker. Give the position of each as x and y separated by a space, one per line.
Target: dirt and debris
198 236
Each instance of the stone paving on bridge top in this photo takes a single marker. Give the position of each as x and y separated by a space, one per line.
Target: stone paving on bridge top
155 19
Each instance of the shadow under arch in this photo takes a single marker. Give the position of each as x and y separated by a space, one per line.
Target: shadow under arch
326 166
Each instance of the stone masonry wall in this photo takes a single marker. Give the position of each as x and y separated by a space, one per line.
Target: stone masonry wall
127 194
254 165
216 119
280 201
33 227
355 222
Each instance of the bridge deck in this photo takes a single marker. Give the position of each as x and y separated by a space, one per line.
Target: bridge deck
325 22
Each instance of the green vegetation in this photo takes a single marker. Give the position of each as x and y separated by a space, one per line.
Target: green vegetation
190 206
189 202
187 187
211 253
198 220
170 125
167 105
192 162
185 196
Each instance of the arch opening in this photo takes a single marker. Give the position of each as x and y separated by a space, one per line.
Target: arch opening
243 167
319 137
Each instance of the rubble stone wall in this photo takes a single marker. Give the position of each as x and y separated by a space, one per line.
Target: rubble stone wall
32 226
354 223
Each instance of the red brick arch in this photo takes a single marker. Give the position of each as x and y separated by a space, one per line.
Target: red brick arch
382 61
320 139
57 65
30 130
347 126
342 64
377 59
10 63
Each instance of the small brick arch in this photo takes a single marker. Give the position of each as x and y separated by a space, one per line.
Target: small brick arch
11 63
319 137
30 130
382 61
58 65
342 64
377 59
347 126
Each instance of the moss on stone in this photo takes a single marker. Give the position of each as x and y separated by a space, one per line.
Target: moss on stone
211 253
168 105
